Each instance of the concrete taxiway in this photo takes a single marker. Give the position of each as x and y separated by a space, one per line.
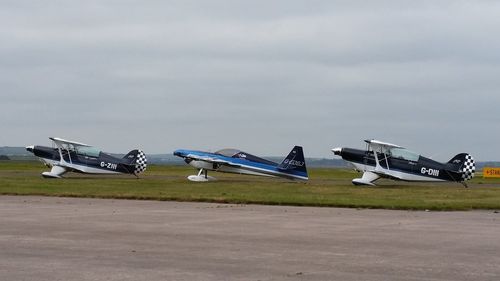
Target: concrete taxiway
44 238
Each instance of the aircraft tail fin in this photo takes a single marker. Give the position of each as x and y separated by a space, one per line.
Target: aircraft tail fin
463 164
137 157
295 161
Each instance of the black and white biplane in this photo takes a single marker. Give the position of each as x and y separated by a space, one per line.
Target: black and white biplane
386 160
70 156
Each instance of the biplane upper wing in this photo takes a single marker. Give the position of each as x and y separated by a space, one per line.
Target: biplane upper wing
380 144
59 141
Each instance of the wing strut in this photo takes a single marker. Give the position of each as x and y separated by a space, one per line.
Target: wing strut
60 148
377 164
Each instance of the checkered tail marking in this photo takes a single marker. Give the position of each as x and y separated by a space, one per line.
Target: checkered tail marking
140 163
469 168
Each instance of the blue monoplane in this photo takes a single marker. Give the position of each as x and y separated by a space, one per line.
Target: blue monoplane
236 161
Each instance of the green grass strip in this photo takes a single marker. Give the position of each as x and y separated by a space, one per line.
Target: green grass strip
326 188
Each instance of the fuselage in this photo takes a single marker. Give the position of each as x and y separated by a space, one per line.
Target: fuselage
240 163
97 163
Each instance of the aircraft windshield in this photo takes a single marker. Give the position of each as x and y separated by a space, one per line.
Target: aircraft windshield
228 152
404 154
88 151
235 153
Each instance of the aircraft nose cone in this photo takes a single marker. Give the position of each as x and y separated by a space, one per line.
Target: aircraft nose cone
181 153
30 148
337 150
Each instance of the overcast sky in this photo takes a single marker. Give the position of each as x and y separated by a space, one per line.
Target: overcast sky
261 76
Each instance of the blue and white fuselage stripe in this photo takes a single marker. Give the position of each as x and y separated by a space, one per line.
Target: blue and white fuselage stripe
220 163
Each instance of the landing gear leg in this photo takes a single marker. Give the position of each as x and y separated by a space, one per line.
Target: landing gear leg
204 172
201 177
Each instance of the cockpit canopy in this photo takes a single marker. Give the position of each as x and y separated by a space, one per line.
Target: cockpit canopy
228 152
236 153
88 151
403 153
81 150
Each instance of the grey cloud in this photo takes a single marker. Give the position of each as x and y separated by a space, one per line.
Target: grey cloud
257 75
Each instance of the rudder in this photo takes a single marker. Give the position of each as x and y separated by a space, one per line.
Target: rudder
464 164
295 161
137 158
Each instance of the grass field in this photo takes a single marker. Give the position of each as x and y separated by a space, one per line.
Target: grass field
326 187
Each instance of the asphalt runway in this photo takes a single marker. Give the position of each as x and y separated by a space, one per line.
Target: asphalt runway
48 238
